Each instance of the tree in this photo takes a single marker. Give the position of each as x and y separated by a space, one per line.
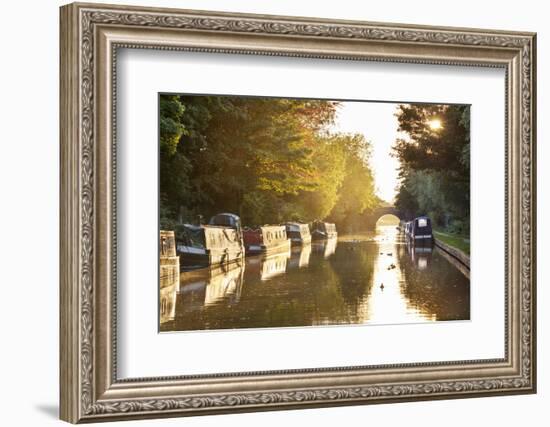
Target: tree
436 137
269 160
435 163
171 128
357 192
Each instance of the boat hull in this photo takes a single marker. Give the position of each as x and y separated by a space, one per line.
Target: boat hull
321 235
298 233
267 239
323 230
273 248
300 241
210 245
190 256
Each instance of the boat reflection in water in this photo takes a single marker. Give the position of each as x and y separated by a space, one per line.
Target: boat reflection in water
325 247
268 266
362 278
167 306
421 256
299 257
169 282
210 286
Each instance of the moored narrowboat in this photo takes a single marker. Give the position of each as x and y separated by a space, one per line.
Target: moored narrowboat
420 231
323 230
298 233
219 242
266 239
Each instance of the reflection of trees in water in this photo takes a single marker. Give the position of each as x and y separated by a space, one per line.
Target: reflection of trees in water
355 270
433 285
333 290
311 296
205 287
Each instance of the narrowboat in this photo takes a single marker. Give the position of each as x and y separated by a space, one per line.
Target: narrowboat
420 231
298 233
323 230
219 242
266 239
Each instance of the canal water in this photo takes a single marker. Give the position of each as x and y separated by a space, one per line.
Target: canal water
368 278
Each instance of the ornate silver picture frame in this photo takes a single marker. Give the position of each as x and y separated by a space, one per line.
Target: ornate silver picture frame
91 390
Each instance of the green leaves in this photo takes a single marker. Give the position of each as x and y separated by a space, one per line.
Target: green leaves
267 159
436 135
435 163
171 128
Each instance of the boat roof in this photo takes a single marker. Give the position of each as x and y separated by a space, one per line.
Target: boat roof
191 226
227 214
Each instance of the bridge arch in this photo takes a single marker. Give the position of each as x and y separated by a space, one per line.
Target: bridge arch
388 219
371 218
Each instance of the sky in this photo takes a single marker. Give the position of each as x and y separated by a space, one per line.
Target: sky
376 121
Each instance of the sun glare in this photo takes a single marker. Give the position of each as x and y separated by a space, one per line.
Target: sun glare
435 124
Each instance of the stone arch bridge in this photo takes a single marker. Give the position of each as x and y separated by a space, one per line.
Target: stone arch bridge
371 218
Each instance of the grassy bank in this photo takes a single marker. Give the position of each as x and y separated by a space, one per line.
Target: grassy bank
454 240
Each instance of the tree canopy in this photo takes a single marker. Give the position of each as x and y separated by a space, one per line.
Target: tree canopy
269 160
434 157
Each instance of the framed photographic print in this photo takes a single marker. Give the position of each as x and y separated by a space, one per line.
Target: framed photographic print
265 212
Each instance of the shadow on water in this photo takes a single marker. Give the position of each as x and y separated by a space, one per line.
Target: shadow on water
355 279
